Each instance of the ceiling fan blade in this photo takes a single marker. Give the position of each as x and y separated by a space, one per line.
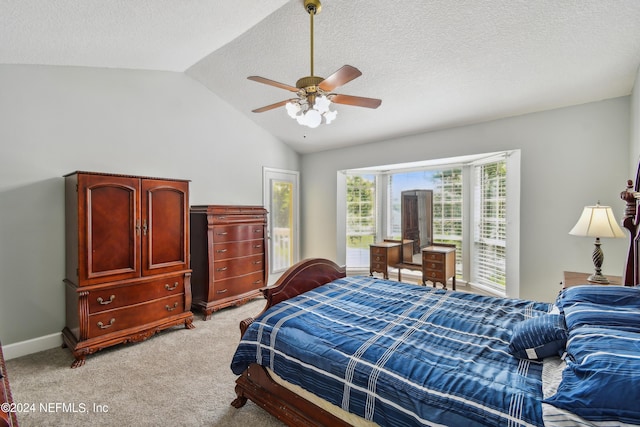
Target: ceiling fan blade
272 106
357 101
342 76
273 83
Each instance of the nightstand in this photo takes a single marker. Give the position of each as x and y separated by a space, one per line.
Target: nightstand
572 278
439 265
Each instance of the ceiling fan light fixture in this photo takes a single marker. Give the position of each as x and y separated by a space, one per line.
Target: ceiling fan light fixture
311 116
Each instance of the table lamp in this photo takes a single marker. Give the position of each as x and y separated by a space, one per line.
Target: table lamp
597 221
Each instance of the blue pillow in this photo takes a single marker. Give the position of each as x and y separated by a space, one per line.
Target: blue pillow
539 337
603 316
619 296
600 382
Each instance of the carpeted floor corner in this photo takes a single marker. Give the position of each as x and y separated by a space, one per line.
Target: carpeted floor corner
178 377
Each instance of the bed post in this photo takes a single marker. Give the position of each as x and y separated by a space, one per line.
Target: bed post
630 222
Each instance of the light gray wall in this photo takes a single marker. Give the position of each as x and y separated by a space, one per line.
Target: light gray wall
570 158
55 120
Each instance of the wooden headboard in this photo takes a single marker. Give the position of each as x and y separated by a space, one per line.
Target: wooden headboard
631 222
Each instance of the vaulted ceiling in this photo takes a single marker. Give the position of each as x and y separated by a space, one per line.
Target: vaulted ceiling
435 64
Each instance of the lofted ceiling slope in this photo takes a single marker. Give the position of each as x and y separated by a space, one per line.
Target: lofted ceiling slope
435 64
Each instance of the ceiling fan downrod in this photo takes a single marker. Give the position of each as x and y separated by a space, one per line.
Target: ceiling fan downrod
313 7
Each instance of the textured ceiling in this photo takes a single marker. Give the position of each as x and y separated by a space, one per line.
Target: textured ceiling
434 64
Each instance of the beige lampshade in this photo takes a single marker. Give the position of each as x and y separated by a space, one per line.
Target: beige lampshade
597 221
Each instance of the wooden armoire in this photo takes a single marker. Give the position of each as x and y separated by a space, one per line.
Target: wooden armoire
127 259
228 255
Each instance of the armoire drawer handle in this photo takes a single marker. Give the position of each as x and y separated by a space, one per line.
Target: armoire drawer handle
221 251
257 246
103 302
103 326
175 305
222 233
170 288
257 262
257 282
221 291
222 268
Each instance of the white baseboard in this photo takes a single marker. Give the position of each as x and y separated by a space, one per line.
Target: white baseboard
23 348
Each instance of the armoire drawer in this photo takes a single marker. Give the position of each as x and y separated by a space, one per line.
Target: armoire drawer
130 316
223 251
119 296
234 233
237 266
238 285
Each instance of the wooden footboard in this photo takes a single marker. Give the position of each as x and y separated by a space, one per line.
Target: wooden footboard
256 384
301 277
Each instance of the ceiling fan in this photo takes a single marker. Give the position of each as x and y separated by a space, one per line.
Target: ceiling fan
315 94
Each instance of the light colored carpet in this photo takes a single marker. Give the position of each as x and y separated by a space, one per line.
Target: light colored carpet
179 377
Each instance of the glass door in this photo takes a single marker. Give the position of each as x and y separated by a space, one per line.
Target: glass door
281 200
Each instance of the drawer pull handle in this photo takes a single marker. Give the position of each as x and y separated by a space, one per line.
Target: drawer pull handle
257 282
222 269
221 251
222 233
221 291
257 246
170 288
103 302
175 305
257 262
103 326
221 217
257 230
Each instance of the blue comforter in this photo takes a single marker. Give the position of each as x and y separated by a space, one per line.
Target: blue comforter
400 354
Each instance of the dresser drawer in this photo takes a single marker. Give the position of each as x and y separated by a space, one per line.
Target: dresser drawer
131 316
237 218
379 267
223 251
434 275
120 296
234 233
432 265
433 257
378 251
238 285
381 259
237 267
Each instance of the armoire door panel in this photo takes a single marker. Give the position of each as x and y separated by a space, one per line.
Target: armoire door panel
164 226
111 214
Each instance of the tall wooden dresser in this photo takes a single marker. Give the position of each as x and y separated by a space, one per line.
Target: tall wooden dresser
228 255
127 259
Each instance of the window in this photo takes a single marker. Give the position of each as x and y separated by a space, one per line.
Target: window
471 199
361 218
490 224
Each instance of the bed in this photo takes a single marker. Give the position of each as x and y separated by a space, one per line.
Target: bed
335 350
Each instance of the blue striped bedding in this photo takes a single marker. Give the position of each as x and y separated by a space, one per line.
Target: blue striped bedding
401 354
601 383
